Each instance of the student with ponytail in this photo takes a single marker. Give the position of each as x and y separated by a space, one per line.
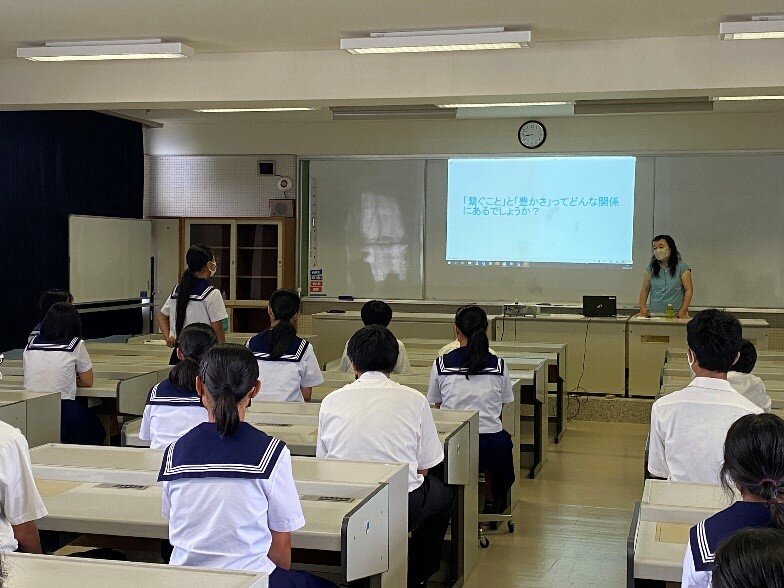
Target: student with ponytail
288 368
228 488
173 406
754 465
472 378
194 299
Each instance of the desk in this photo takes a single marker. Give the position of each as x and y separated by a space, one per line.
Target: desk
601 341
660 527
82 488
649 339
335 329
130 394
296 424
107 369
231 337
36 414
33 571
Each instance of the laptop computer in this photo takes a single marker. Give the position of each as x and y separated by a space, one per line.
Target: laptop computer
594 306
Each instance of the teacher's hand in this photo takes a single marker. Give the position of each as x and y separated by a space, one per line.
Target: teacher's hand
683 314
644 313
171 341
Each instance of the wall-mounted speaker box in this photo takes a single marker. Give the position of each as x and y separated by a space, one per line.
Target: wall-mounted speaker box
267 168
281 207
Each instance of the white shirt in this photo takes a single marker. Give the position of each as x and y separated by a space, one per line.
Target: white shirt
163 424
225 523
281 380
209 309
454 345
19 498
377 419
751 387
50 367
688 429
482 392
691 578
402 366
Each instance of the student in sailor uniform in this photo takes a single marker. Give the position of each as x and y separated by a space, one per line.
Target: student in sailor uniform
228 488
743 381
751 558
173 406
45 302
377 419
688 427
193 300
57 361
20 503
754 464
288 368
472 378
378 312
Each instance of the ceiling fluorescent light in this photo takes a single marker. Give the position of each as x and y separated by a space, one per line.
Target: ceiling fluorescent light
443 40
745 98
643 105
504 104
390 112
759 27
105 50
271 109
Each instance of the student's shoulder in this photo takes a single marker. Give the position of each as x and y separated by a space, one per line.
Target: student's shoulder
672 399
10 436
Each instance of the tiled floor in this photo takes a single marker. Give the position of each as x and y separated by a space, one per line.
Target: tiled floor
573 520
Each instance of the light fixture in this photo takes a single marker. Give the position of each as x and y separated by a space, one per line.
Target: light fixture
476 39
759 27
270 109
504 104
397 111
746 98
105 50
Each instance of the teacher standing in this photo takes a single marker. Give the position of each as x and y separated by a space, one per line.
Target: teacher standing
667 281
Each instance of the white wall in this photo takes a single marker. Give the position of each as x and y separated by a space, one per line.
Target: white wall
638 134
214 186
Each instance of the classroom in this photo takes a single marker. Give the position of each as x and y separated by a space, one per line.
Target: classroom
331 294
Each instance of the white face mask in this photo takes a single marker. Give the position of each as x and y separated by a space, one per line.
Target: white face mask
661 254
690 358
212 267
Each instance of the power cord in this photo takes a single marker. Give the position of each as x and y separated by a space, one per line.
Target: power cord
574 393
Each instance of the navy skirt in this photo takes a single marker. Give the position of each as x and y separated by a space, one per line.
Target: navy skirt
80 425
495 457
281 578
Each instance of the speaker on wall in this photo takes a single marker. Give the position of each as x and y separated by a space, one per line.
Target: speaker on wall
281 207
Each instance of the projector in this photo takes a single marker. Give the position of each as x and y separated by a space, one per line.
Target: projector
521 310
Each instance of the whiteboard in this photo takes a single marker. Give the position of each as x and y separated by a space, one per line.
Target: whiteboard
109 258
367 227
726 213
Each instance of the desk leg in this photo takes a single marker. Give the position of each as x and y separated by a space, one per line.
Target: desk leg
458 537
537 447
